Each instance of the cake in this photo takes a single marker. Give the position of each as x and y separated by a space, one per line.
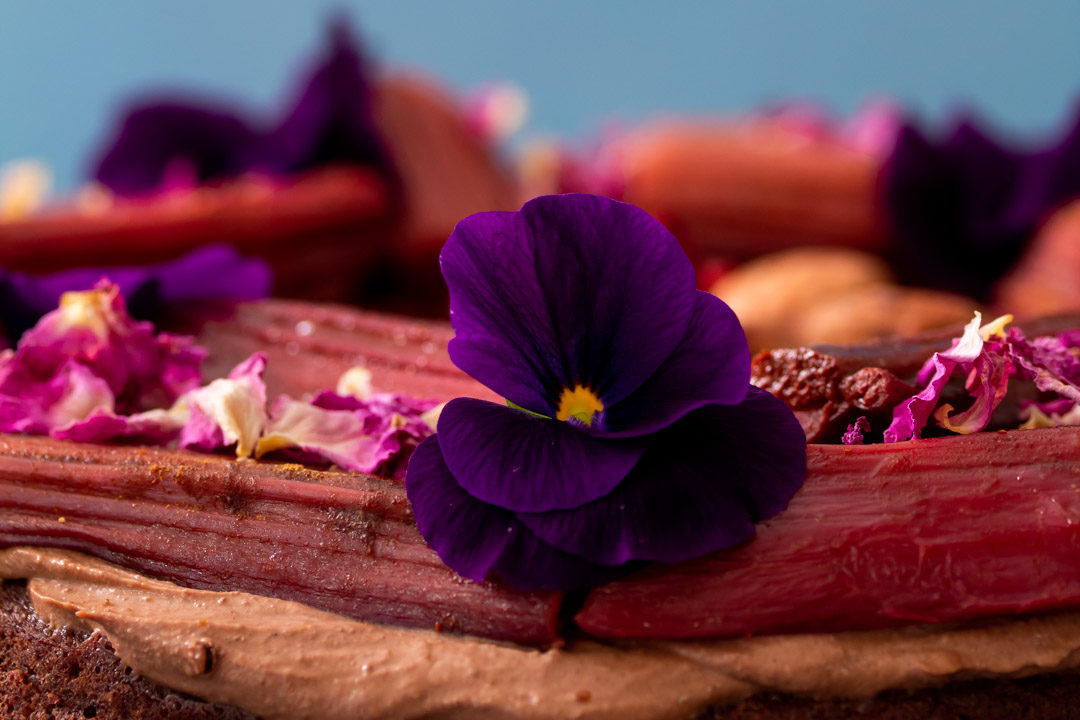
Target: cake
220 604
67 670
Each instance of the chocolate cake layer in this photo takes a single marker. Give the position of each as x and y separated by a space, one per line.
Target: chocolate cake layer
62 674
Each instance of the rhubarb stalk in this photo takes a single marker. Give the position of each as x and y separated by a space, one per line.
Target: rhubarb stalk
930 530
343 542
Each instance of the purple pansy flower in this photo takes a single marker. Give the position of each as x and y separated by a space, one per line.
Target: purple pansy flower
164 142
632 431
212 272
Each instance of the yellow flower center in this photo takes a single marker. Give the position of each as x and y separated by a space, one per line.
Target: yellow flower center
579 402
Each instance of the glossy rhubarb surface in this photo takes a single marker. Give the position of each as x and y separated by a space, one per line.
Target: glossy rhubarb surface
309 346
339 541
931 530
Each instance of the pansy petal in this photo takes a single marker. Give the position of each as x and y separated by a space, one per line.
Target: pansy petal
573 289
479 540
519 461
469 535
718 470
710 366
528 563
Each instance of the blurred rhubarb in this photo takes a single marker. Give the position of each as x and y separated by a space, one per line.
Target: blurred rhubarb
309 346
343 542
933 530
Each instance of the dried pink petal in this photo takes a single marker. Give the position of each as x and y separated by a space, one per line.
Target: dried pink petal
229 410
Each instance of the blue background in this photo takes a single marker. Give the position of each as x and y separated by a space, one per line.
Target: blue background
65 65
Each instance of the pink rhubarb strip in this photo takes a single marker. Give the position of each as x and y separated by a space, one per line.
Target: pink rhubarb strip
880 535
339 541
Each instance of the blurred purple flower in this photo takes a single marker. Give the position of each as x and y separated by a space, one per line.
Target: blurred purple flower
165 141
212 272
632 431
964 207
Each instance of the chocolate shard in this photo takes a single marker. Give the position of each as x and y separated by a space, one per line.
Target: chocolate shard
338 541
932 530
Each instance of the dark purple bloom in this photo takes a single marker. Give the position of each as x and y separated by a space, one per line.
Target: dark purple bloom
631 433
964 207
213 272
331 119
167 141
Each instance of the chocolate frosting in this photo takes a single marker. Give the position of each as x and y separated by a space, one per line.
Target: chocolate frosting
281 659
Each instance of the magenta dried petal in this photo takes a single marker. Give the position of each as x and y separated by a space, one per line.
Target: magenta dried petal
37 406
856 431
1048 361
201 432
143 370
1070 338
334 435
76 394
988 381
156 427
181 360
911 416
382 404
373 435
229 410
